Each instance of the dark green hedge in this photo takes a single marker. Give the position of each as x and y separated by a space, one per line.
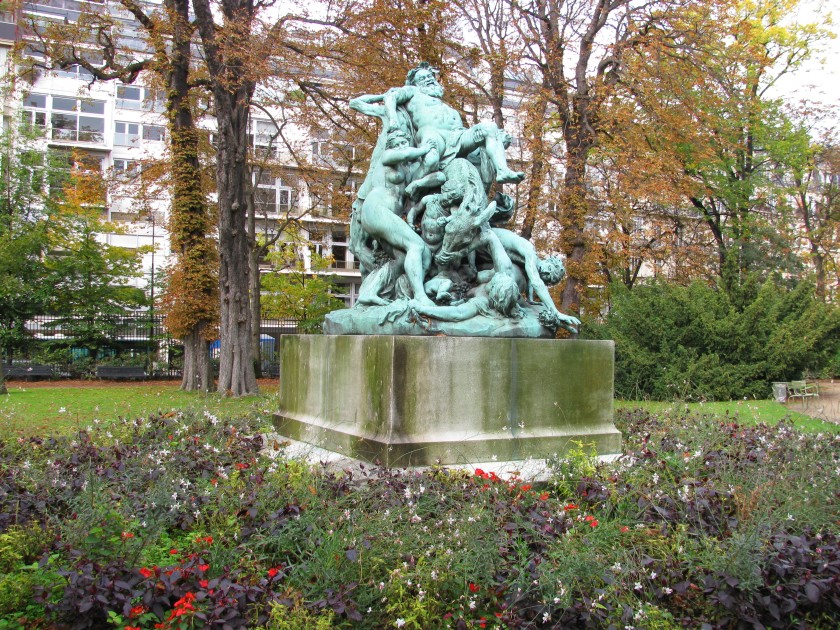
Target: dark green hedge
693 343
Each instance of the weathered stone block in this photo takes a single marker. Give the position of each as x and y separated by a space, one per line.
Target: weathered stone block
409 401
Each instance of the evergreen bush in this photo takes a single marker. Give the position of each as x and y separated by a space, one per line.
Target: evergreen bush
697 342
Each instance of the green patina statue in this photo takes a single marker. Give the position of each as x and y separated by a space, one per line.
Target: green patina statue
433 254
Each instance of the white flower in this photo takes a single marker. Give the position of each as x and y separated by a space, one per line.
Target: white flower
546 617
653 575
667 590
637 586
399 622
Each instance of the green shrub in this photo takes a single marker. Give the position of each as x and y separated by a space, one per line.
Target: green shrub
21 545
695 343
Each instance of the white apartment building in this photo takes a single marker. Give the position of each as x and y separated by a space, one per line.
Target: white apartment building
121 127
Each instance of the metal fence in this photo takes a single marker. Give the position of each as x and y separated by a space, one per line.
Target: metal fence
74 347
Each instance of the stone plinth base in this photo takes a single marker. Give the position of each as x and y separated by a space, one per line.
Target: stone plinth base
414 401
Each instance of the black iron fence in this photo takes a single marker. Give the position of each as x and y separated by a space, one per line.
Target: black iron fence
75 347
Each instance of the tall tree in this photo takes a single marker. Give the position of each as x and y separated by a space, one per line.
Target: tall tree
88 279
97 42
235 54
816 198
23 237
710 112
577 47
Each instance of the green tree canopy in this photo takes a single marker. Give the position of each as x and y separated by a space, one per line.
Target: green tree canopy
290 291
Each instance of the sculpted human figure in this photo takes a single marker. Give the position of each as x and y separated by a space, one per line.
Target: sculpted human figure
539 273
497 298
440 127
381 210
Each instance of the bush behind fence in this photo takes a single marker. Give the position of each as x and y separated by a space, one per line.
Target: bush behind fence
73 347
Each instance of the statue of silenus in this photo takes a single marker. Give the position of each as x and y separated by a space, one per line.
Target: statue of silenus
434 256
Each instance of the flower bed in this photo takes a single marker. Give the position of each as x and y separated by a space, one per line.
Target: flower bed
178 521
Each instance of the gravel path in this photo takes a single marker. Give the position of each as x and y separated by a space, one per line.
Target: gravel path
826 407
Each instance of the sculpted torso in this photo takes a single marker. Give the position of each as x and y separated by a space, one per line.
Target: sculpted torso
429 112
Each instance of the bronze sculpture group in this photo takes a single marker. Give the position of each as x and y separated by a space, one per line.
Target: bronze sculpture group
433 254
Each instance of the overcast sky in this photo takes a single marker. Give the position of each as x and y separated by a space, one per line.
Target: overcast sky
818 82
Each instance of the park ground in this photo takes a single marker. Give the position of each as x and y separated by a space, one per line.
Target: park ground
116 511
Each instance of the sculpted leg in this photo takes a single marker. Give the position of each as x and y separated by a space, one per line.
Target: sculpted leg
493 140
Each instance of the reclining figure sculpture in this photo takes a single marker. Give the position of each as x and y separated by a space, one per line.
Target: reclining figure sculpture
433 254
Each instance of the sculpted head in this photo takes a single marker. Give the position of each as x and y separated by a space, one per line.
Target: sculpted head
424 77
551 270
396 138
503 293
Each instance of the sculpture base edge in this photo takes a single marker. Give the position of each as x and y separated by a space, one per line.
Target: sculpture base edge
419 401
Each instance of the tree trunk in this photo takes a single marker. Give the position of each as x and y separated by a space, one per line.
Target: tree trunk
573 212
256 315
189 220
197 369
535 133
231 76
3 389
236 364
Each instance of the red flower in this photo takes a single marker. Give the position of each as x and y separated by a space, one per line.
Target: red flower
482 623
593 523
146 573
137 610
544 496
273 571
625 529
132 628
127 535
203 583
589 517
203 567
526 487
570 506
173 552
242 466
474 587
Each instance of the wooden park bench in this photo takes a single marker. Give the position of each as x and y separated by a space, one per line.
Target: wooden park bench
120 372
27 372
803 390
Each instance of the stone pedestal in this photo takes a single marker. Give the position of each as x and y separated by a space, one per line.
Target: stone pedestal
415 401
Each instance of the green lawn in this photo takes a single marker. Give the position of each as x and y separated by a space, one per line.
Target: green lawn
748 412
30 410
33 410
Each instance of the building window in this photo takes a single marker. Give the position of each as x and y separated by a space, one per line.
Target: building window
126 134
126 168
129 97
339 250
35 112
74 72
79 120
154 133
271 196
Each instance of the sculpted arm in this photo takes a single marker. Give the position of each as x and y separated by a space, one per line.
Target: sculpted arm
365 105
459 313
392 157
395 97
